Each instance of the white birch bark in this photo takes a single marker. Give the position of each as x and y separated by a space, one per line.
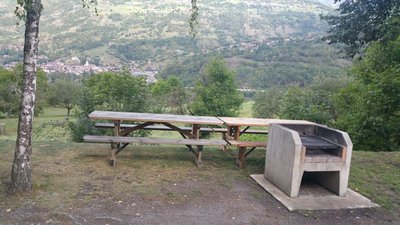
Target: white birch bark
21 178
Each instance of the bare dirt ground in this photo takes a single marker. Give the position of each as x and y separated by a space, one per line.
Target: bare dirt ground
76 186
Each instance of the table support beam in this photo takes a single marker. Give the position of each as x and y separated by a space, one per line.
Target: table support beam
137 127
175 128
244 130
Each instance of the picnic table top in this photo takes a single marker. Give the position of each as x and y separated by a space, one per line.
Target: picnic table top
201 120
237 121
151 117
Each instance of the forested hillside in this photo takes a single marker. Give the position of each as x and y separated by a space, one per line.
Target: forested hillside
276 42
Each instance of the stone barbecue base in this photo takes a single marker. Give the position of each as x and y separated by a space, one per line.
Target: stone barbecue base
314 197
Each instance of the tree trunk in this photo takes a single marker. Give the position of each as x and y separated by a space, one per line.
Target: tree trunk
21 177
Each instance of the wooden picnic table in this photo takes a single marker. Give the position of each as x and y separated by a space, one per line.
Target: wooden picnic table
149 119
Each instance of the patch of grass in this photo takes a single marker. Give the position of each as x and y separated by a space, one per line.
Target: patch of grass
55 112
377 176
246 109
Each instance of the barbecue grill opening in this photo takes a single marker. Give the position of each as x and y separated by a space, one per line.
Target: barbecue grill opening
314 183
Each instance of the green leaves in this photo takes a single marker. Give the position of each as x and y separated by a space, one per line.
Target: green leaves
170 96
216 92
64 93
315 102
12 86
361 22
110 92
370 108
268 103
118 92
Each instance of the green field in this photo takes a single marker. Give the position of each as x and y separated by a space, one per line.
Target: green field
49 114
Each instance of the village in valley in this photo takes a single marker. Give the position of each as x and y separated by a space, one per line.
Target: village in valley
74 65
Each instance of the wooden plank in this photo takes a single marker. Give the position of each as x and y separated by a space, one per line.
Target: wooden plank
260 122
142 140
236 121
152 117
248 143
164 128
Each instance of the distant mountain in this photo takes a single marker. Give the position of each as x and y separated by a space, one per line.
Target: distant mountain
157 30
155 33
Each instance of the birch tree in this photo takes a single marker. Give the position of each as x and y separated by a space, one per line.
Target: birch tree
21 178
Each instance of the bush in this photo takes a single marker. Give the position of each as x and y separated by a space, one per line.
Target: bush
110 92
53 131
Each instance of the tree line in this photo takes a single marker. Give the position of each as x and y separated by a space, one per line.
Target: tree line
366 104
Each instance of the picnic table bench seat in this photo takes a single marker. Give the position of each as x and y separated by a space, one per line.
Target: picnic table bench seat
242 145
144 140
125 141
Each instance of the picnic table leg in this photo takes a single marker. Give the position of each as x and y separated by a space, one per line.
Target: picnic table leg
223 148
229 132
117 130
242 150
115 146
113 159
199 148
241 157
236 133
198 155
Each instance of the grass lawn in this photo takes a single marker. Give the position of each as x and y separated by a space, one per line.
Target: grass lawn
72 175
66 169
68 175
